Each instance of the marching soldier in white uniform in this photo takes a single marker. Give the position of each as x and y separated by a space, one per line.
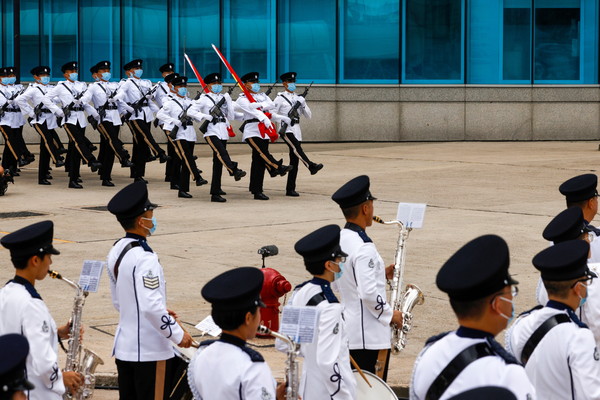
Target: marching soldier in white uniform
254 113
173 162
10 123
481 294
161 94
217 133
23 311
363 285
558 350
13 369
147 330
326 370
284 102
177 116
227 369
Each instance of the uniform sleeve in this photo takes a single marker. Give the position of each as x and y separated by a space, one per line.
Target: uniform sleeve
258 382
305 110
86 100
366 276
151 301
37 329
244 104
278 102
122 92
164 115
23 102
51 96
196 114
584 363
267 104
329 342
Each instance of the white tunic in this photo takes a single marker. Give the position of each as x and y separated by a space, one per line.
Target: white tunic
267 105
100 93
326 372
12 116
146 331
362 287
226 371
24 312
161 92
169 116
283 104
486 371
133 89
64 93
564 365
30 99
206 102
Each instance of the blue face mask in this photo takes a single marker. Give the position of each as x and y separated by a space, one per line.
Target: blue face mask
9 81
106 76
138 73
182 91
73 76
338 275
45 80
154 225
582 300
256 87
291 87
216 88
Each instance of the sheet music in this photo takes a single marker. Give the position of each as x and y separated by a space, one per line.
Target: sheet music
89 279
299 323
411 214
208 326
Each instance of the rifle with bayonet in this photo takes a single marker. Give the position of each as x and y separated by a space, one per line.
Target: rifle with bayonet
103 107
185 120
293 114
37 111
67 110
270 89
141 102
216 112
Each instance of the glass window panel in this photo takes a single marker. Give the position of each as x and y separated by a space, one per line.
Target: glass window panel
145 34
433 38
516 52
7 18
484 41
369 41
306 41
194 27
100 36
59 44
589 32
30 37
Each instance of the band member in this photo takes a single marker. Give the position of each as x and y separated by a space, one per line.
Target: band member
363 285
13 370
558 350
24 312
74 99
173 160
137 92
43 121
10 122
326 371
217 133
481 294
147 329
103 94
178 115
284 103
227 369
581 191
254 113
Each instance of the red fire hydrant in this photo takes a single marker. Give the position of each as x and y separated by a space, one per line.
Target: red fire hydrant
274 286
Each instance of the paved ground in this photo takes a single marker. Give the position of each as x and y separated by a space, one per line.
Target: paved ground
507 188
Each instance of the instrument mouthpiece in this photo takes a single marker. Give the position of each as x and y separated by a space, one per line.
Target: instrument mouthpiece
378 219
54 274
263 330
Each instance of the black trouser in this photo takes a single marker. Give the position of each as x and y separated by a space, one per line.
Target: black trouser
170 164
139 130
79 149
367 361
20 142
187 165
143 129
110 146
147 380
220 158
261 159
296 153
11 153
48 149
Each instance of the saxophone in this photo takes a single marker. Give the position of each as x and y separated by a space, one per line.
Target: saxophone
291 364
402 301
87 364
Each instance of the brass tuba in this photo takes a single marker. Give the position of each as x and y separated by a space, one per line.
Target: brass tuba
402 301
87 365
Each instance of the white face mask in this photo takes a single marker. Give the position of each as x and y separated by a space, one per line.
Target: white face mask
512 314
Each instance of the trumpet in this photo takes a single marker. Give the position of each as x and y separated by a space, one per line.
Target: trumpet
402 301
291 364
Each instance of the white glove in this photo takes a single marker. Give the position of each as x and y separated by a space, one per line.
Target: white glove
285 120
208 117
256 105
302 101
60 113
128 109
267 123
227 97
96 116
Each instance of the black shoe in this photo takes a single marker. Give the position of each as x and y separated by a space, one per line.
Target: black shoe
151 158
215 198
60 164
184 195
93 148
273 172
48 177
106 182
95 165
79 180
314 168
195 157
239 174
63 151
22 162
201 181
15 173
44 182
292 193
140 179
284 169
174 186
222 193
167 179
75 185
163 157
260 196
127 164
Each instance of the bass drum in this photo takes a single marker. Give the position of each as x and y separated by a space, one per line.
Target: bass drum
181 390
379 390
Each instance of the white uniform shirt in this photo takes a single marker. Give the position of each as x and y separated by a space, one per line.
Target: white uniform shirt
161 92
146 331
486 371
12 117
24 312
228 370
31 98
283 104
565 364
326 372
362 287
100 92
133 89
169 116
64 93
206 102
267 105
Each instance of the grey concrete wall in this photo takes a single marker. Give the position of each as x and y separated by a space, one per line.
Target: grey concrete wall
439 113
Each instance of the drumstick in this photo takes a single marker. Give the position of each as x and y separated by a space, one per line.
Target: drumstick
355 365
194 342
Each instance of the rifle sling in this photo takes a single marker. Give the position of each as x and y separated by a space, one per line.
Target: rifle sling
539 334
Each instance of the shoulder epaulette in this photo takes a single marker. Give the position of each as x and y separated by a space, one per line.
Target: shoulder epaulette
501 352
300 285
145 246
435 338
208 342
538 307
255 356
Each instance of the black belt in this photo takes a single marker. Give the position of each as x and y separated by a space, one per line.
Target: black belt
111 108
45 110
80 108
219 119
12 110
249 121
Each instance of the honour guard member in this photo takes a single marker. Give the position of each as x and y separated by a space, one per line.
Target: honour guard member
481 294
147 329
74 98
10 122
13 370
253 114
284 103
227 369
171 152
363 285
177 115
103 94
217 133
43 121
162 88
581 191
23 311
558 350
326 371
138 92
